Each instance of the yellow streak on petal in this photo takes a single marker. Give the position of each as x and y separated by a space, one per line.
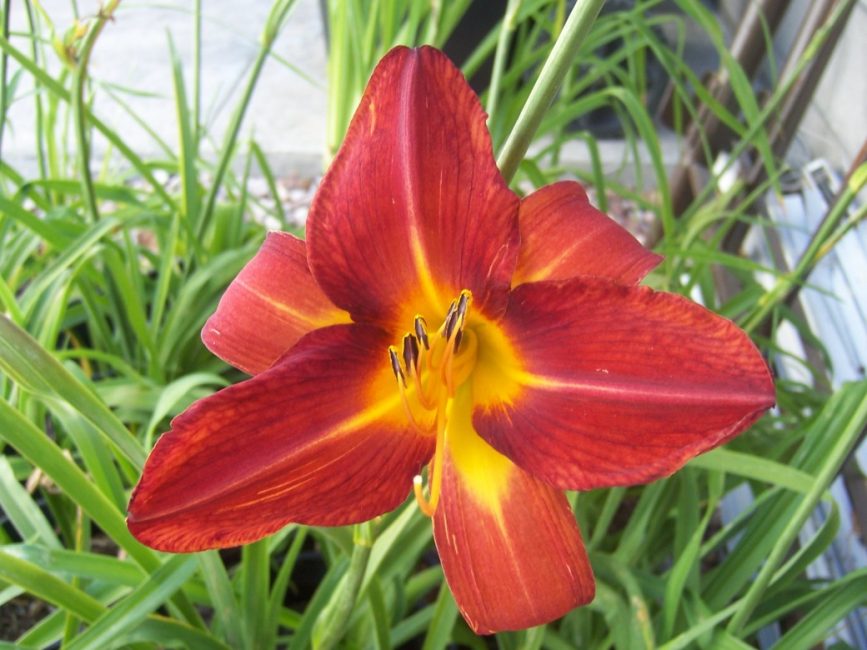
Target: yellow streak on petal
484 471
363 418
599 386
544 272
334 316
434 297
408 142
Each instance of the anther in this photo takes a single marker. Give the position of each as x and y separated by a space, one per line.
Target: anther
421 332
463 302
395 365
410 353
450 321
458 338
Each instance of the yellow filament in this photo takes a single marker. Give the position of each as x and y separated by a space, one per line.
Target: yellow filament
435 476
423 357
408 410
418 491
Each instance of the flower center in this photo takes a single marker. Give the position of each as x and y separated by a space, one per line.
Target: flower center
429 371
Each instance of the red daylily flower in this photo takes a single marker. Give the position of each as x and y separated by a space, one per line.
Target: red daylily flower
434 318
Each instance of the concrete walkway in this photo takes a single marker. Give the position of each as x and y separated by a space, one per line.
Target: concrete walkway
287 113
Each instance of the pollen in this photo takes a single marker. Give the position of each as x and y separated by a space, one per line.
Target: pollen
429 368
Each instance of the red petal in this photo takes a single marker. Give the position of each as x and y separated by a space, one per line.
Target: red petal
413 208
272 303
619 385
508 543
563 236
320 438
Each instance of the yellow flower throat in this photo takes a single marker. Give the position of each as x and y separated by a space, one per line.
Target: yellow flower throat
429 370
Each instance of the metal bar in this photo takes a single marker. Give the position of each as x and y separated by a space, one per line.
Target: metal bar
798 99
748 49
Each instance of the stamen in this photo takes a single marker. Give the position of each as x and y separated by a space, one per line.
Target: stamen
420 498
429 373
426 401
428 505
463 302
401 386
412 357
449 322
395 366
410 353
458 338
421 331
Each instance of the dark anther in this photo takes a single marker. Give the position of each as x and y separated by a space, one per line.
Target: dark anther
421 332
395 367
458 338
410 351
451 321
462 306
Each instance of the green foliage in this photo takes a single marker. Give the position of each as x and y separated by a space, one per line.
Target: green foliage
99 348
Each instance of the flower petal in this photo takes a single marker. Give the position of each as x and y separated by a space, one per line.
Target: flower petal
564 236
614 385
320 438
413 209
272 303
509 544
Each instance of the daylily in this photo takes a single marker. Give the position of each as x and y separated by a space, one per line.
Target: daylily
434 318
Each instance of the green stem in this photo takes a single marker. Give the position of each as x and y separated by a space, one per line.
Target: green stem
818 247
504 38
269 35
197 71
339 85
4 68
829 470
255 563
830 244
57 90
771 107
559 61
216 579
79 106
37 96
339 615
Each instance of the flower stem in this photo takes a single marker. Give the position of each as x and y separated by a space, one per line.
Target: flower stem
559 61
4 65
273 25
337 616
821 242
79 106
507 28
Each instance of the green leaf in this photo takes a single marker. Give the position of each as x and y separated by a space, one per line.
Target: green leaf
22 511
44 453
38 372
49 588
439 631
55 88
835 602
755 468
123 617
226 609
91 566
301 640
80 249
176 392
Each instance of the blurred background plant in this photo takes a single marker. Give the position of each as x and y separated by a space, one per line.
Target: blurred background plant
109 269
